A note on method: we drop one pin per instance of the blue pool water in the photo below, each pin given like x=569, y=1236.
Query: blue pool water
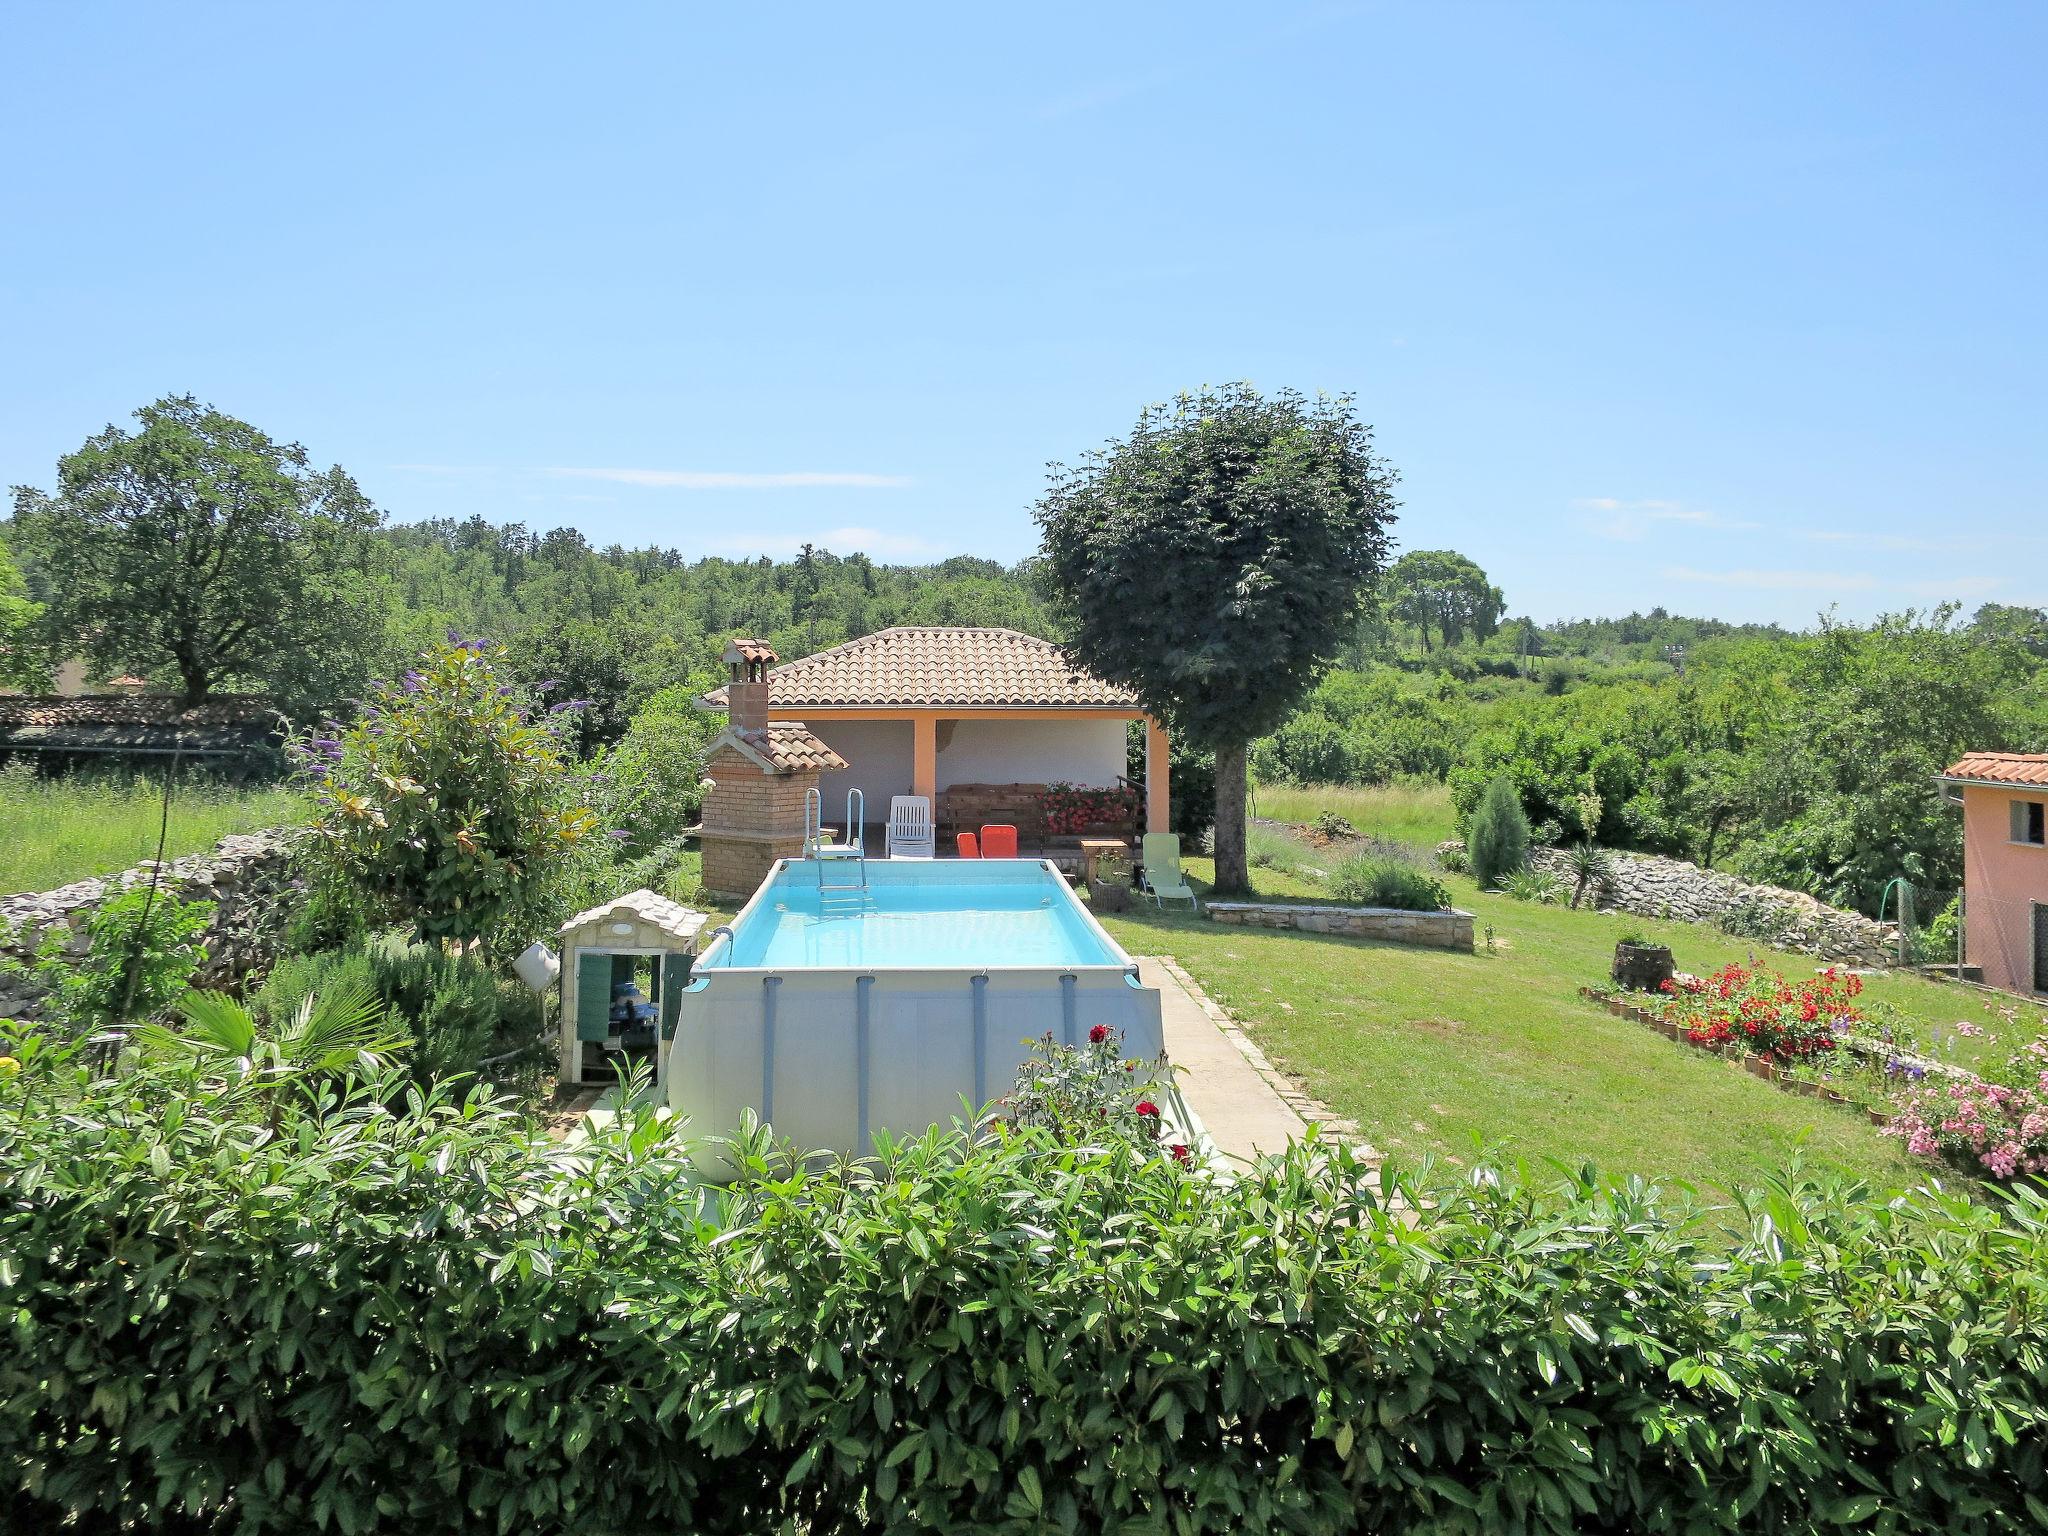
x=955, y=913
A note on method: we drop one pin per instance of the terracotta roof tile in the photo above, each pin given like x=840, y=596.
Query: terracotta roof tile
x=785, y=747
x=2025, y=768
x=926, y=666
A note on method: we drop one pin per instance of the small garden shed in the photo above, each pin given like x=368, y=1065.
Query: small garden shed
x=624, y=967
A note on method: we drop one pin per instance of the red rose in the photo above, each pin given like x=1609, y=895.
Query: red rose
x=1147, y=1107
x=1180, y=1153
x=1098, y=1033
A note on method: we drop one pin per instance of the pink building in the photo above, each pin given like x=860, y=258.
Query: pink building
x=2004, y=796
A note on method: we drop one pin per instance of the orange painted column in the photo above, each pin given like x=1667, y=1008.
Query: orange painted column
x=924, y=757
x=1158, y=792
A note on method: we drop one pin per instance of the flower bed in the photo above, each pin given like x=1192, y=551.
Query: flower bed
x=1072, y=809
x=1761, y=1010
x=1810, y=1036
x=2001, y=1127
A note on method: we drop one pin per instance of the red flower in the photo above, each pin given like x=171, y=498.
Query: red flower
x=1180, y=1153
x=1147, y=1107
x=1098, y=1033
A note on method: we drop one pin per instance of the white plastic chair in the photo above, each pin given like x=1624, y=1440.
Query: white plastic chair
x=910, y=828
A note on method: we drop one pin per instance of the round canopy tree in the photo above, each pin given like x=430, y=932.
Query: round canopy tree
x=200, y=547
x=1212, y=563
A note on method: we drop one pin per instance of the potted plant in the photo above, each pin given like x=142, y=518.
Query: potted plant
x=1640, y=965
x=1109, y=888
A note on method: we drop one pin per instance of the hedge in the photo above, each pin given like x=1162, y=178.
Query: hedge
x=296, y=1307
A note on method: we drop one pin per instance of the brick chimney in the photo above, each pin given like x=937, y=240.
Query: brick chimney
x=746, y=689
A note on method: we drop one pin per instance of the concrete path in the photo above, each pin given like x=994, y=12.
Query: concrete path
x=1223, y=1077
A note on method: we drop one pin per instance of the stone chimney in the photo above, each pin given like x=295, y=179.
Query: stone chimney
x=746, y=689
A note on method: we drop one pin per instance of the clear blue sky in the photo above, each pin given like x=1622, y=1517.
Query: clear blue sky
x=1737, y=309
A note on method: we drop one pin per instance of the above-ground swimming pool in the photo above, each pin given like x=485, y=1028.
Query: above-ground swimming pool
x=853, y=996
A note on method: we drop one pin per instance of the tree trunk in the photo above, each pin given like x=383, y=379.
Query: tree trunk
x=198, y=683
x=1233, y=875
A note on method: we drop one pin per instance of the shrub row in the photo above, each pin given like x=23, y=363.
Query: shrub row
x=291, y=1307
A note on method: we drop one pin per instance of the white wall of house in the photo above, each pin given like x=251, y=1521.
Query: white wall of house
x=879, y=754
x=1031, y=752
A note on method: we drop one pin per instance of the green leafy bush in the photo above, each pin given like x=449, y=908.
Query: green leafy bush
x=444, y=806
x=1762, y=922
x=142, y=951
x=454, y=1008
x=1376, y=880
x=1535, y=885
x=1497, y=834
x=430, y=1318
x=1334, y=827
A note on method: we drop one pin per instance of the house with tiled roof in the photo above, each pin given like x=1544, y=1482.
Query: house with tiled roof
x=978, y=721
x=2004, y=796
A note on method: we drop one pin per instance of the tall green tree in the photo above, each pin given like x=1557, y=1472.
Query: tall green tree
x=198, y=547
x=22, y=662
x=1441, y=589
x=1214, y=561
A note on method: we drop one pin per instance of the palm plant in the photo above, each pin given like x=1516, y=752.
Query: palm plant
x=341, y=1031
x=1591, y=870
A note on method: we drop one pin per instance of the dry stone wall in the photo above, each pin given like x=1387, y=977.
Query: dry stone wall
x=1657, y=887
x=248, y=878
x=1448, y=929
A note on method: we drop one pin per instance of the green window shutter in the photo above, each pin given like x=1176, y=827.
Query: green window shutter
x=593, y=996
x=675, y=975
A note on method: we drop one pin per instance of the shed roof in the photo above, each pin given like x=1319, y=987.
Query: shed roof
x=2025, y=769
x=134, y=723
x=925, y=666
x=642, y=906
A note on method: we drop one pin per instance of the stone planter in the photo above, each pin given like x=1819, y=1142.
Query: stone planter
x=1758, y=1067
x=1642, y=967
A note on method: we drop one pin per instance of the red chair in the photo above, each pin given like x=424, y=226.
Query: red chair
x=999, y=841
x=969, y=845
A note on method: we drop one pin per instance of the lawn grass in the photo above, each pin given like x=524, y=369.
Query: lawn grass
x=1401, y=813
x=57, y=830
x=1431, y=1051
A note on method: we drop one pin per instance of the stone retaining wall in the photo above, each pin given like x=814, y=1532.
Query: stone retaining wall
x=248, y=878
x=1450, y=929
x=1650, y=886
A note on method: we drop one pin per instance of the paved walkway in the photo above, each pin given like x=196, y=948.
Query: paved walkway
x=1242, y=1102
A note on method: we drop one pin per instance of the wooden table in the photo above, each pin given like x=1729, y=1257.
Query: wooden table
x=1093, y=848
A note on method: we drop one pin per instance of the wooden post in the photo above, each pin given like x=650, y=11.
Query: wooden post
x=924, y=757
x=1158, y=789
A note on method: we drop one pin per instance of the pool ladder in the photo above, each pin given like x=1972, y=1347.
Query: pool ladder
x=838, y=897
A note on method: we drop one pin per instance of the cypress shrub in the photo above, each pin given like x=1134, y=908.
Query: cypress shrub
x=1497, y=833
x=234, y=1306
